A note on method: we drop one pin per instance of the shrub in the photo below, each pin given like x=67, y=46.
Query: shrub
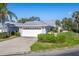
x=46, y=38
x=66, y=37
x=17, y=34
x=4, y=35
x=12, y=33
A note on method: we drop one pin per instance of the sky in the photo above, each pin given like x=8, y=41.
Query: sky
x=46, y=11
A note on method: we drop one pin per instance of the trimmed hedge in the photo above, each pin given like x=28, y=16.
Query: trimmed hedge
x=47, y=38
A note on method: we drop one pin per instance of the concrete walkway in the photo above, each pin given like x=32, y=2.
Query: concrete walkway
x=16, y=45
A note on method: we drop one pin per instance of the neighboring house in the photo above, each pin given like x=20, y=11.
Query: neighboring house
x=9, y=27
x=33, y=28
x=3, y=30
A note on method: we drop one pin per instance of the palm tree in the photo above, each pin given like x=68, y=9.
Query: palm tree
x=58, y=24
x=75, y=17
x=5, y=14
x=67, y=23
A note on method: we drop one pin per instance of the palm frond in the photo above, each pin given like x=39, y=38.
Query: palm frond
x=11, y=14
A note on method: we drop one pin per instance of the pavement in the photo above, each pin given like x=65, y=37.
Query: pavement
x=18, y=45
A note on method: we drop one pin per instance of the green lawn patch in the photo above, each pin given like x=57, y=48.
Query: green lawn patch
x=7, y=38
x=44, y=46
x=41, y=46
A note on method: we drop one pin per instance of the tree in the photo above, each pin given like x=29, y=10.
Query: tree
x=67, y=23
x=58, y=23
x=5, y=14
x=33, y=18
x=23, y=20
x=75, y=17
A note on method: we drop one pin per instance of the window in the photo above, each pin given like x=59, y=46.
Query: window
x=31, y=28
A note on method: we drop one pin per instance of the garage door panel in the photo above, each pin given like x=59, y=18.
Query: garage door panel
x=32, y=33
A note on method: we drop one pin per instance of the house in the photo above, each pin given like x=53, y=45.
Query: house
x=8, y=27
x=33, y=28
x=28, y=29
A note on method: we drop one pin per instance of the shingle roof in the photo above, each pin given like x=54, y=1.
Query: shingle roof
x=31, y=24
x=35, y=23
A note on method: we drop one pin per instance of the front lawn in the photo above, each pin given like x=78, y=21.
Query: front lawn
x=46, y=41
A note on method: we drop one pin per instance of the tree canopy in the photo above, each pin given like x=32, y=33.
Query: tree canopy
x=33, y=18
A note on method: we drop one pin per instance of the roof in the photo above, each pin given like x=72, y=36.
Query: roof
x=50, y=23
x=32, y=24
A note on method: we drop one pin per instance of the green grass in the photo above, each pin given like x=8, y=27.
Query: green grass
x=67, y=39
x=7, y=38
x=40, y=46
x=44, y=46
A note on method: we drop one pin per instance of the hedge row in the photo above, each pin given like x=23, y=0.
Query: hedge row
x=4, y=35
x=60, y=38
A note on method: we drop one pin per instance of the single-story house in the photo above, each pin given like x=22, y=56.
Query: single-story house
x=28, y=29
x=33, y=28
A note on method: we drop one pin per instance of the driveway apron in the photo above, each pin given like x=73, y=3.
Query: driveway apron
x=16, y=45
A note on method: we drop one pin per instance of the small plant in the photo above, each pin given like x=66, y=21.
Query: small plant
x=17, y=34
x=46, y=38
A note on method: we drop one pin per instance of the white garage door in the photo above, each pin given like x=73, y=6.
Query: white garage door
x=30, y=32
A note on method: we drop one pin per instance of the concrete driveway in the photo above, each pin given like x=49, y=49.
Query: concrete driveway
x=16, y=45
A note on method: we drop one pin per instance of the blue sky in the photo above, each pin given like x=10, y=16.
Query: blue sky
x=46, y=11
